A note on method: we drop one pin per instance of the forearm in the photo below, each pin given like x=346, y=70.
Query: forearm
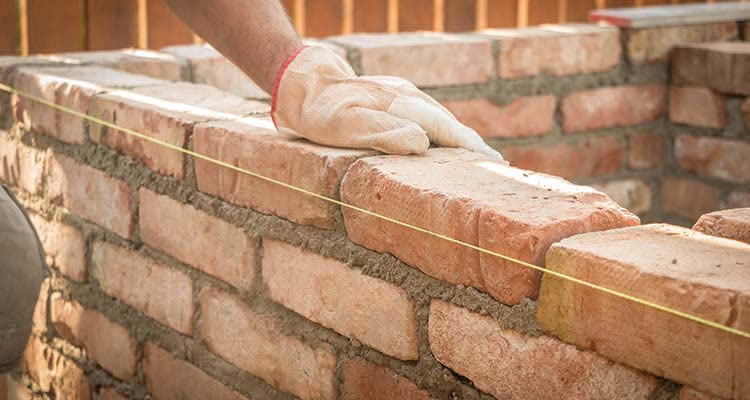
x=255, y=34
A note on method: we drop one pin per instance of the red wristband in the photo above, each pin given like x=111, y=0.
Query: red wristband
x=275, y=93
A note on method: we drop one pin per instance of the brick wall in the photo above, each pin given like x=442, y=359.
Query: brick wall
x=175, y=278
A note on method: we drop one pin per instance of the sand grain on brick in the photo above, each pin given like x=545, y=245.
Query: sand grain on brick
x=731, y=224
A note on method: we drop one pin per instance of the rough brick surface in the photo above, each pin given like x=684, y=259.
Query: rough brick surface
x=255, y=343
x=329, y=292
x=509, y=365
x=646, y=150
x=13, y=389
x=53, y=371
x=105, y=342
x=21, y=165
x=514, y=212
x=669, y=268
x=609, y=107
x=688, y=198
x=730, y=224
x=426, y=59
x=156, y=290
x=169, y=378
x=738, y=199
x=722, y=66
x=365, y=381
x=724, y=159
x=136, y=61
x=632, y=194
x=39, y=317
x=648, y=45
x=224, y=250
x=164, y=112
x=522, y=117
x=254, y=145
x=697, y=106
x=64, y=247
x=90, y=193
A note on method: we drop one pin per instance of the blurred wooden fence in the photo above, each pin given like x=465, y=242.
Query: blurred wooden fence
x=47, y=26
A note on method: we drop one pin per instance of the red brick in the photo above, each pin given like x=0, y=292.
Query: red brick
x=524, y=116
x=156, y=290
x=509, y=365
x=697, y=106
x=64, y=247
x=738, y=199
x=90, y=193
x=649, y=45
x=164, y=112
x=731, y=224
x=426, y=59
x=746, y=114
x=610, y=107
x=225, y=251
x=109, y=393
x=107, y=343
x=21, y=165
x=722, y=66
x=169, y=378
x=253, y=144
x=256, y=343
x=724, y=159
x=632, y=194
x=688, y=393
x=54, y=372
x=135, y=61
x=669, y=268
x=71, y=87
x=688, y=198
x=646, y=150
x=329, y=292
x=364, y=381
x=480, y=199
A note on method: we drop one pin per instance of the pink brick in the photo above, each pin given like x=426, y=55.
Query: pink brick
x=724, y=159
x=225, y=251
x=64, y=247
x=109, y=393
x=426, y=59
x=105, y=342
x=509, y=365
x=21, y=165
x=524, y=116
x=610, y=107
x=697, y=106
x=152, y=288
x=336, y=296
x=738, y=199
x=167, y=113
x=731, y=224
x=646, y=150
x=632, y=194
x=254, y=145
x=364, y=381
x=649, y=45
x=135, y=61
x=514, y=212
x=688, y=198
x=54, y=372
x=669, y=268
x=90, y=193
x=169, y=378
x=71, y=87
x=256, y=343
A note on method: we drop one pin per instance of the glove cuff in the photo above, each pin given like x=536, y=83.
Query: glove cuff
x=275, y=93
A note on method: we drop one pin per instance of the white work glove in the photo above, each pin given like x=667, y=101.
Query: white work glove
x=318, y=96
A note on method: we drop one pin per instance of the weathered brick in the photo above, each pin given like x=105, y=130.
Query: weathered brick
x=164, y=112
x=649, y=45
x=688, y=393
x=610, y=107
x=632, y=194
x=481, y=199
x=105, y=342
x=738, y=199
x=255, y=343
x=64, y=247
x=108, y=393
x=688, y=198
x=646, y=150
x=21, y=165
x=725, y=159
x=90, y=193
x=135, y=61
x=426, y=59
x=254, y=144
x=722, y=66
x=510, y=365
x=697, y=106
x=71, y=87
x=225, y=251
x=169, y=378
x=39, y=317
x=731, y=224
x=669, y=268
x=364, y=381
x=54, y=372
x=329, y=292
x=156, y=290
x=524, y=116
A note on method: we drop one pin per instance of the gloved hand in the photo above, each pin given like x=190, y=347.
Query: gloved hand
x=318, y=96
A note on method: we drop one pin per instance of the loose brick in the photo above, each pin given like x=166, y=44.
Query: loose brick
x=610, y=107
x=225, y=251
x=109, y=393
x=64, y=247
x=53, y=371
x=255, y=343
x=21, y=165
x=90, y=193
x=171, y=379
x=135, y=61
x=426, y=59
x=364, y=381
x=509, y=365
x=669, y=268
x=71, y=87
x=253, y=144
x=724, y=159
x=632, y=194
x=329, y=292
x=646, y=150
x=105, y=342
x=481, y=199
x=524, y=116
x=649, y=45
x=722, y=66
x=738, y=199
x=731, y=224
x=688, y=198
x=164, y=112
x=156, y=290
x=697, y=106
x=688, y=393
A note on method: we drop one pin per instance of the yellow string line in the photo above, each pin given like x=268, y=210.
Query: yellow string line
x=560, y=275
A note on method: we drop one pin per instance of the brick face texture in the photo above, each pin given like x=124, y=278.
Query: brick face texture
x=722, y=66
x=724, y=159
x=650, y=45
x=364, y=381
x=64, y=247
x=21, y=165
x=697, y=106
x=525, y=116
x=612, y=106
x=730, y=224
x=52, y=371
x=688, y=198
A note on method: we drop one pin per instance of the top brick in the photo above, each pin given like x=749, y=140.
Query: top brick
x=722, y=66
x=673, y=15
x=650, y=45
x=136, y=61
x=730, y=224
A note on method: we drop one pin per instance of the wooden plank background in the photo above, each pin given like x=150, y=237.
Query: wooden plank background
x=45, y=26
